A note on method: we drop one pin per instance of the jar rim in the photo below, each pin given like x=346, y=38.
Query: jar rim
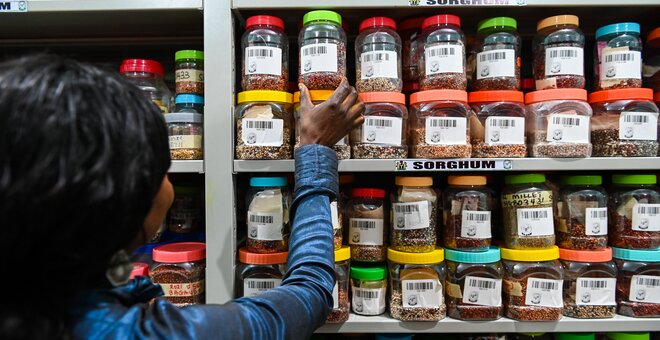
x=555, y=94
x=534, y=255
x=621, y=94
x=433, y=257
x=247, y=257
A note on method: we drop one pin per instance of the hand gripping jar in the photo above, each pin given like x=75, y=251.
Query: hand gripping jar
x=498, y=55
x=559, y=53
x=343, y=148
x=179, y=269
x=439, y=124
x=442, y=58
x=185, y=132
x=410, y=31
x=257, y=273
x=467, y=206
x=189, y=103
x=416, y=281
x=263, y=125
x=414, y=215
x=340, y=304
x=474, y=285
x=367, y=235
x=581, y=213
x=148, y=76
x=532, y=287
x=322, y=59
x=618, y=57
x=268, y=202
x=265, y=54
x=638, y=283
x=558, y=123
x=384, y=131
x=189, y=74
x=378, y=56
x=625, y=123
x=368, y=289
x=498, y=125
x=634, y=212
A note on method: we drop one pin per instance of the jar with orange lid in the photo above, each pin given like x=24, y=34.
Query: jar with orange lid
x=341, y=305
x=467, y=207
x=559, y=53
x=414, y=215
x=342, y=147
x=179, y=269
x=581, y=213
x=257, y=273
x=383, y=133
x=439, y=124
x=497, y=128
x=442, y=59
x=558, y=123
x=625, y=123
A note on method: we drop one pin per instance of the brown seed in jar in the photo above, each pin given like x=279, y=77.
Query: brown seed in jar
x=397, y=311
x=377, y=151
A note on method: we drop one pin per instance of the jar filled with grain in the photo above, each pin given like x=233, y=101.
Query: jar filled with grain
x=343, y=148
x=322, y=58
x=410, y=31
x=442, y=58
x=497, y=55
x=148, y=75
x=189, y=73
x=186, y=214
x=637, y=282
x=581, y=217
x=634, y=208
x=618, y=57
x=368, y=289
x=559, y=53
x=414, y=215
x=341, y=305
x=366, y=213
x=383, y=135
x=467, y=207
x=179, y=269
x=378, y=56
x=498, y=125
x=257, y=273
x=185, y=132
x=268, y=202
x=265, y=62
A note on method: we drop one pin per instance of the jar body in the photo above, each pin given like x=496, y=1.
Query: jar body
x=474, y=291
x=182, y=283
x=559, y=58
x=631, y=288
x=341, y=305
x=368, y=296
x=581, y=217
x=378, y=61
x=414, y=220
x=322, y=59
x=589, y=289
x=367, y=229
x=497, y=60
x=186, y=212
x=411, y=54
x=342, y=148
x=532, y=291
x=253, y=279
x=417, y=291
x=383, y=134
x=189, y=75
x=268, y=219
x=633, y=217
x=498, y=130
x=189, y=108
x=265, y=59
x=186, y=141
x=440, y=129
x=625, y=128
x=154, y=86
x=559, y=129
x=442, y=59
x=618, y=61
x=528, y=216
x=467, y=217
x=263, y=130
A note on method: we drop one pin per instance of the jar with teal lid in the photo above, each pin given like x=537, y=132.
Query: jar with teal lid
x=322, y=58
x=340, y=304
x=268, y=202
x=638, y=282
x=189, y=103
x=497, y=53
x=189, y=72
x=474, y=285
x=618, y=57
x=368, y=289
x=581, y=217
x=634, y=207
x=628, y=336
x=186, y=212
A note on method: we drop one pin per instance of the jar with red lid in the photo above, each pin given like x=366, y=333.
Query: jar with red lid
x=148, y=76
x=497, y=128
x=378, y=56
x=179, y=269
x=257, y=273
x=265, y=46
x=139, y=269
x=383, y=133
x=410, y=31
x=442, y=58
x=368, y=219
x=559, y=53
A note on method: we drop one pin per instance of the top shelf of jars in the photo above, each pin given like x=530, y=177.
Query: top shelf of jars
x=338, y=4
x=115, y=5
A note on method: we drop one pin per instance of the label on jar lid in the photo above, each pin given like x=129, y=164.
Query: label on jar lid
x=619, y=63
x=334, y=214
x=446, y=130
x=366, y=231
x=561, y=61
x=421, y=294
x=505, y=130
x=382, y=130
x=335, y=296
x=475, y=224
x=544, y=293
x=638, y=126
x=535, y=222
x=410, y=216
x=645, y=288
x=568, y=128
x=496, y=64
x=646, y=217
x=263, y=60
x=189, y=74
x=185, y=289
x=252, y=287
x=265, y=226
x=379, y=64
x=595, y=221
x=444, y=59
x=262, y=132
x=368, y=301
x=185, y=142
x=482, y=291
x=318, y=58
x=595, y=291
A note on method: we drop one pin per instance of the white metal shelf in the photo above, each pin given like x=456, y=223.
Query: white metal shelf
x=348, y=4
x=113, y=5
x=187, y=167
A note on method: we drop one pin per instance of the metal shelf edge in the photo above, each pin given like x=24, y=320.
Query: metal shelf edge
x=347, y=4
x=187, y=167
x=115, y=5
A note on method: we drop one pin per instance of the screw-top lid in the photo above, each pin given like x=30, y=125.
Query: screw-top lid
x=536, y=255
x=433, y=257
x=314, y=95
x=582, y=180
x=142, y=65
x=556, y=94
x=414, y=24
x=247, y=257
x=369, y=273
x=496, y=96
x=600, y=255
x=343, y=254
x=368, y=192
x=558, y=20
x=622, y=27
x=621, y=94
x=575, y=336
x=264, y=20
x=634, y=179
x=265, y=96
x=180, y=252
x=189, y=54
x=315, y=16
x=139, y=269
x=497, y=22
x=438, y=95
x=378, y=22
x=628, y=336
x=489, y=256
x=652, y=255
x=524, y=179
x=467, y=180
x=413, y=181
x=383, y=97
x=188, y=99
x=184, y=117
x=268, y=182
x=441, y=20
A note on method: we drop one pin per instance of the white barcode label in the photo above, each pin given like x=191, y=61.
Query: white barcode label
x=535, y=222
x=645, y=288
x=410, y=216
x=497, y=63
x=382, y=130
x=563, y=128
x=564, y=61
x=421, y=293
x=619, y=63
x=505, y=130
x=379, y=64
x=368, y=301
x=544, y=293
x=482, y=291
x=595, y=221
x=318, y=58
x=475, y=224
x=334, y=214
x=446, y=130
x=262, y=132
x=335, y=296
x=638, y=126
x=646, y=217
x=263, y=60
x=595, y=292
x=366, y=232
x=444, y=59
x=252, y=287
x=265, y=227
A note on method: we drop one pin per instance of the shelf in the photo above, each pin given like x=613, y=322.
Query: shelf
x=114, y=5
x=187, y=167
x=348, y=4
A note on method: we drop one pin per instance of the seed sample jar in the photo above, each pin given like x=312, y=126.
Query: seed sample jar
x=189, y=72
x=532, y=287
x=439, y=124
x=263, y=125
x=442, y=59
x=341, y=306
x=474, y=285
x=322, y=59
x=367, y=233
x=634, y=212
x=467, y=207
x=268, y=202
x=189, y=103
x=185, y=132
x=148, y=76
x=186, y=212
x=558, y=123
x=257, y=273
x=368, y=288
x=179, y=269
x=410, y=31
x=498, y=55
x=416, y=281
x=378, y=56
x=638, y=283
x=527, y=211
x=618, y=57
x=414, y=215
x=498, y=126
x=581, y=217
x=625, y=123
x=383, y=133
x=343, y=148
x=559, y=53
x=265, y=54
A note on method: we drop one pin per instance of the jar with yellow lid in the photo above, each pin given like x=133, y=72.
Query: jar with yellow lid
x=343, y=148
x=416, y=281
x=467, y=210
x=340, y=303
x=414, y=215
x=263, y=125
x=559, y=53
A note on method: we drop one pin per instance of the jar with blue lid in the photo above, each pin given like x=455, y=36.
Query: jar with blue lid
x=189, y=103
x=618, y=57
x=185, y=130
x=638, y=282
x=268, y=202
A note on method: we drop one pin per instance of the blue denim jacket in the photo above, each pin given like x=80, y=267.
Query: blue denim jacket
x=292, y=311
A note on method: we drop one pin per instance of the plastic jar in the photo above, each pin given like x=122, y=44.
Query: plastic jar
x=498, y=55
x=634, y=212
x=442, y=58
x=341, y=306
x=625, y=123
x=414, y=215
x=189, y=103
x=322, y=56
x=558, y=123
x=410, y=31
x=651, y=62
x=179, y=269
x=439, y=124
x=498, y=125
x=268, y=202
x=559, y=53
x=618, y=57
x=263, y=125
x=265, y=54
x=367, y=233
x=581, y=217
x=532, y=288
x=383, y=133
x=257, y=273
x=368, y=289
x=148, y=76
x=527, y=211
x=139, y=269
x=378, y=56
x=189, y=72
x=467, y=208
x=186, y=212
x=185, y=132
x=638, y=282
x=416, y=281
x=343, y=148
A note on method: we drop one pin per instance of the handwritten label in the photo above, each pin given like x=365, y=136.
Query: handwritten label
x=185, y=142
x=183, y=289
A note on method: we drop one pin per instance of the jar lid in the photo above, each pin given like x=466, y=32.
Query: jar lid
x=369, y=273
x=383, y=97
x=467, y=180
x=629, y=336
x=189, y=54
x=368, y=192
x=265, y=96
x=266, y=20
x=556, y=94
x=268, y=182
x=558, y=20
x=496, y=96
x=653, y=39
x=413, y=181
x=188, y=99
x=622, y=27
x=489, y=256
x=497, y=22
x=433, y=257
x=411, y=86
x=313, y=16
x=535, y=255
x=139, y=269
x=435, y=95
x=652, y=255
x=582, y=180
x=411, y=24
x=378, y=22
x=575, y=336
x=441, y=20
x=184, y=190
x=634, y=179
x=346, y=179
x=180, y=252
x=244, y=256
x=524, y=179
x=621, y=94
x=314, y=95
x=184, y=117
x=142, y=65
x=601, y=255
x=343, y=254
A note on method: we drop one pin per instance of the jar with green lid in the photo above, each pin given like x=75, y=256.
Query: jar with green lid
x=322, y=59
x=416, y=281
x=559, y=53
x=638, y=283
x=634, y=212
x=581, y=217
x=368, y=289
x=186, y=212
x=618, y=57
x=527, y=204
x=189, y=72
x=342, y=148
x=530, y=336
x=575, y=336
x=498, y=55
x=467, y=211
x=628, y=336
x=268, y=203
x=414, y=215
x=340, y=303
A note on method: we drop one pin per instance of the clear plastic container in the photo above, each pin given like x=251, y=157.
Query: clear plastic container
x=618, y=57
x=416, y=281
x=467, y=207
x=625, y=123
x=179, y=269
x=189, y=72
x=366, y=213
x=341, y=305
x=322, y=59
x=264, y=125
x=368, y=289
x=638, y=282
x=343, y=147
x=414, y=215
x=185, y=132
x=384, y=132
x=257, y=273
x=148, y=76
x=498, y=125
x=439, y=124
x=410, y=31
x=442, y=58
x=559, y=53
x=581, y=217
x=268, y=202
x=378, y=56
x=558, y=123
x=634, y=212
x=189, y=103
x=265, y=54
x=497, y=55
x=532, y=287
x=186, y=212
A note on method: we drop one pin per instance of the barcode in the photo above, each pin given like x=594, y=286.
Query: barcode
x=535, y=215
x=444, y=123
x=259, y=124
x=377, y=57
x=406, y=209
x=477, y=217
x=502, y=123
x=482, y=284
x=379, y=122
x=261, y=53
x=619, y=57
x=544, y=285
x=419, y=285
x=315, y=50
x=648, y=210
x=441, y=52
x=566, y=121
x=261, y=284
x=593, y=284
x=647, y=281
x=368, y=294
x=261, y=219
x=598, y=214
x=564, y=54
x=364, y=224
x=636, y=119
x=492, y=56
